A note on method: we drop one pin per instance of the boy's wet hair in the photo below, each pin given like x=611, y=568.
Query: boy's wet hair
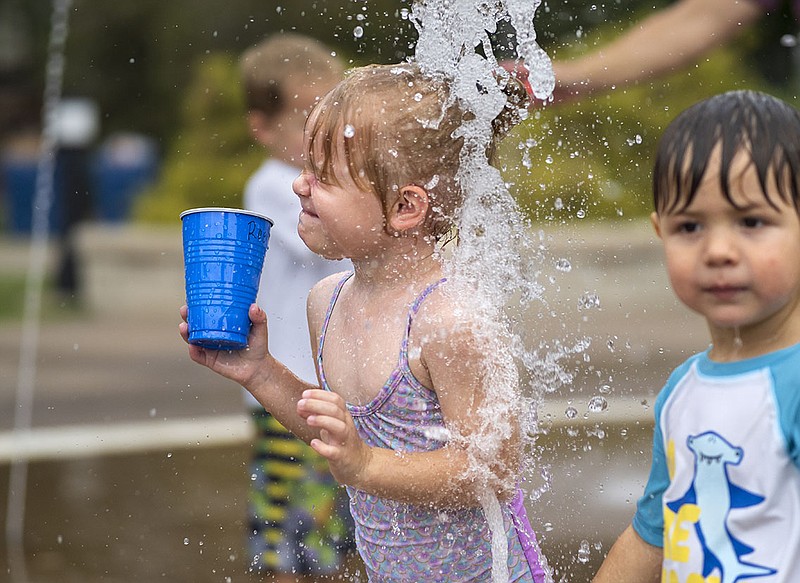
x=281, y=63
x=760, y=125
x=399, y=124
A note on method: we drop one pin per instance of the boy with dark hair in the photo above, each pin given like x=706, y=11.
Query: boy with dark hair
x=722, y=502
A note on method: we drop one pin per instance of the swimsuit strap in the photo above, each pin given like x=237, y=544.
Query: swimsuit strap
x=410, y=318
x=413, y=309
x=323, y=332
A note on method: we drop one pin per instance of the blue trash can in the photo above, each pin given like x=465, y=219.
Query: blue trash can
x=124, y=165
x=18, y=176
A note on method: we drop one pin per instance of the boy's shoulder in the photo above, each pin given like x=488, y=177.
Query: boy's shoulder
x=782, y=366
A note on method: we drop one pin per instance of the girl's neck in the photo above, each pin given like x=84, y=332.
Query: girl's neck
x=398, y=270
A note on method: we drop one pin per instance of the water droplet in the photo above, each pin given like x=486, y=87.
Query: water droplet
x=605, y=389
x=580, y=214
x=358, y=32
x=418, y=97
x=186, y=541
x=564, y=265
x=349, y=131
x=558, y=204
x=436, y=433
x=571, y=413
x=598, y=404
x=583, y=552
x=588, y=301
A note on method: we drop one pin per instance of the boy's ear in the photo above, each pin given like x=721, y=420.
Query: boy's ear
x=261, y=128
x=654, y=220
x=410, y=208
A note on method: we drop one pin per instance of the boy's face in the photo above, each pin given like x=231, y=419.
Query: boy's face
x=739, y=268
x=283, y=132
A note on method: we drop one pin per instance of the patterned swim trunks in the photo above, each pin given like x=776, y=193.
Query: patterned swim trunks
x=299, y=517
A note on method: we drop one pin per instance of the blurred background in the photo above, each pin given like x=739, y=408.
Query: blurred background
x=135, y=460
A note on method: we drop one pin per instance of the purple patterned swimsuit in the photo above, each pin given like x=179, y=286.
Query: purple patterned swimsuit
x=408, y=543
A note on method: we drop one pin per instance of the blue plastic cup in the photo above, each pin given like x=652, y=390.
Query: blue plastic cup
x=223, y=254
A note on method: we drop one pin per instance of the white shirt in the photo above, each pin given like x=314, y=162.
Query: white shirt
x=290, y=268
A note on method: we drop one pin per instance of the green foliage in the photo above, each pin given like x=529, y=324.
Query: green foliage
x=212, y=155
x=593, y=158
x=12, y=296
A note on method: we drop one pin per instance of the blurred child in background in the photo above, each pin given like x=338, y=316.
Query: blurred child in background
x=298, y=523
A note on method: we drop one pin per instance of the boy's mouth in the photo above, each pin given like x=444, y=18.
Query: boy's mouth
x=724, y=291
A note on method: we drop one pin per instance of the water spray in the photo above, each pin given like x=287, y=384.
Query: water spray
x=26, y=375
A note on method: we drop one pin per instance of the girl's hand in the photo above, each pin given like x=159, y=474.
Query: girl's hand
x=348, y=456
x=240, y=366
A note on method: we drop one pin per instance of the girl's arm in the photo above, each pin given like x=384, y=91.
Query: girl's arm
x=631, y=560
x=483, y=454
x=270, y=382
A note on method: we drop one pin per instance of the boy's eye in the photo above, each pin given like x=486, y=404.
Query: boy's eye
x=688, y=227
x=752, y=222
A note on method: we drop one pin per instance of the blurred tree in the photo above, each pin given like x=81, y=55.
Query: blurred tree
x=149, y=63
x=212, y=156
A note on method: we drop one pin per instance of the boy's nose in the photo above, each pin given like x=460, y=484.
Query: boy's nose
x=721, y=247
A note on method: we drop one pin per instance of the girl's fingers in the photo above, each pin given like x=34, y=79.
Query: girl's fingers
x=329, y=452
x=316, y=402
x=331, y=428
x=323, y=395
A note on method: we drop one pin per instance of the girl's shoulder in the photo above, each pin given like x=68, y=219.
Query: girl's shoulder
x=319, y=298
x=443, y=313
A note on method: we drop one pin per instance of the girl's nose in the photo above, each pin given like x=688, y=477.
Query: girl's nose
x=300, y=184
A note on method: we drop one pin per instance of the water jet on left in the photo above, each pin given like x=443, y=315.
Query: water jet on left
x=223, y=252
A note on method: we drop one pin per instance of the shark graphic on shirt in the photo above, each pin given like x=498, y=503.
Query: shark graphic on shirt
x=712, y=491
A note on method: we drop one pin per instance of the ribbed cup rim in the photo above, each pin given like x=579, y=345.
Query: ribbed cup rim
x=228, y=210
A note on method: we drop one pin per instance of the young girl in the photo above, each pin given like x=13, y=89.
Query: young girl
x=401, y=367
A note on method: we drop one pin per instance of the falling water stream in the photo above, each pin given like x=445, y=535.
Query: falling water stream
x=495, y=258
x=26, y=376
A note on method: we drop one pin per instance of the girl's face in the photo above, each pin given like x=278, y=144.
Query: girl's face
x=738, y=267
x=342, y=219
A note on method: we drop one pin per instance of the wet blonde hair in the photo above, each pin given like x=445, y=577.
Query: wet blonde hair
x=398, y=126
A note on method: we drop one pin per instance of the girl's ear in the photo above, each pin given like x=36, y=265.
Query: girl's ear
x=409, y=210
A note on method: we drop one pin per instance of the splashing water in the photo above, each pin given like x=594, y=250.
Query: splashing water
x=495, y=260
x=23, y=412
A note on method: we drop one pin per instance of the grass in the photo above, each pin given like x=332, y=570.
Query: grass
x=12, y=296
x=12, y=300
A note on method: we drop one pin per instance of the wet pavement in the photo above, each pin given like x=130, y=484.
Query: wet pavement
x=137, y=457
